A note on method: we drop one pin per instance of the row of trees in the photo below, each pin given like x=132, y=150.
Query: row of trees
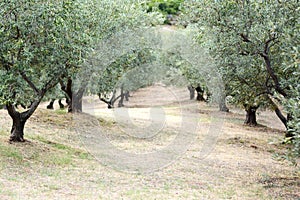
x=71, y=46
x=256, y=47
x=45, y=43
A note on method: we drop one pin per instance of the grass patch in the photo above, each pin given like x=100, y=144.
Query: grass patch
x=60, y=160
x=11, y=153
x=64, y=148
x=58, y=118
x=61, y=111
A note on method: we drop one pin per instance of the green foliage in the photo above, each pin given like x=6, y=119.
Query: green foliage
x=241, y=36
x=109, y=59
x=49, y=40
x=39, y=42
x=126, y=71
x=256, y=45
x=169, y=8
x=292, y=107
x=165, y=6
x=180, y=72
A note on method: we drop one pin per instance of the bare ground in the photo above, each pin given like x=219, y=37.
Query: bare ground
x=61, y=161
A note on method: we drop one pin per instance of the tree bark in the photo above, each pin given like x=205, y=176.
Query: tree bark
x=75, y=105
x=17, y=130
x=192, y=92
x=251, y=115
x=208, y=98
x=19, y=120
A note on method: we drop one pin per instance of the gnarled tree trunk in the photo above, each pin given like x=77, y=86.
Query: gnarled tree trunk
x=17, y=130
x=19, y=120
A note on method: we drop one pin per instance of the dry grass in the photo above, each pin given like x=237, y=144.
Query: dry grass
x=54, y=163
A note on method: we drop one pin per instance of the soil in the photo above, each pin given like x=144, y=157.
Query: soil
x=186, y=150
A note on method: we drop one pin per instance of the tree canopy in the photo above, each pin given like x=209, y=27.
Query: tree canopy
x=256, y=45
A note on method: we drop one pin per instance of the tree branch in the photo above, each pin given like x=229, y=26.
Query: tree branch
x=29, y=82
x=245, y=38
x=11, y=110
x=279, y=114
x=272, y=74
x=267, y=44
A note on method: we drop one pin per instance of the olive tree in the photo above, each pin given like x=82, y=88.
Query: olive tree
x=39, y=42
x=108, y=19
x=253, y=43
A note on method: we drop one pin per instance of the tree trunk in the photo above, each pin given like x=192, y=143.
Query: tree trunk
x=17, y=130
x=192, y=92
x=285, y=120
x=19, y=120
x=67, y=100
x=61, y=105
x=120, y=104
x=74, y=99
x=281, y=117
x=208, y=98
x=113, y=99
x=75, y=105
x=68, y=92
x=278, y=112
x=127, y=96
x=222, y=104
x=51, y=103
x=110, y=103
x=251, y=115
x=200, y=93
